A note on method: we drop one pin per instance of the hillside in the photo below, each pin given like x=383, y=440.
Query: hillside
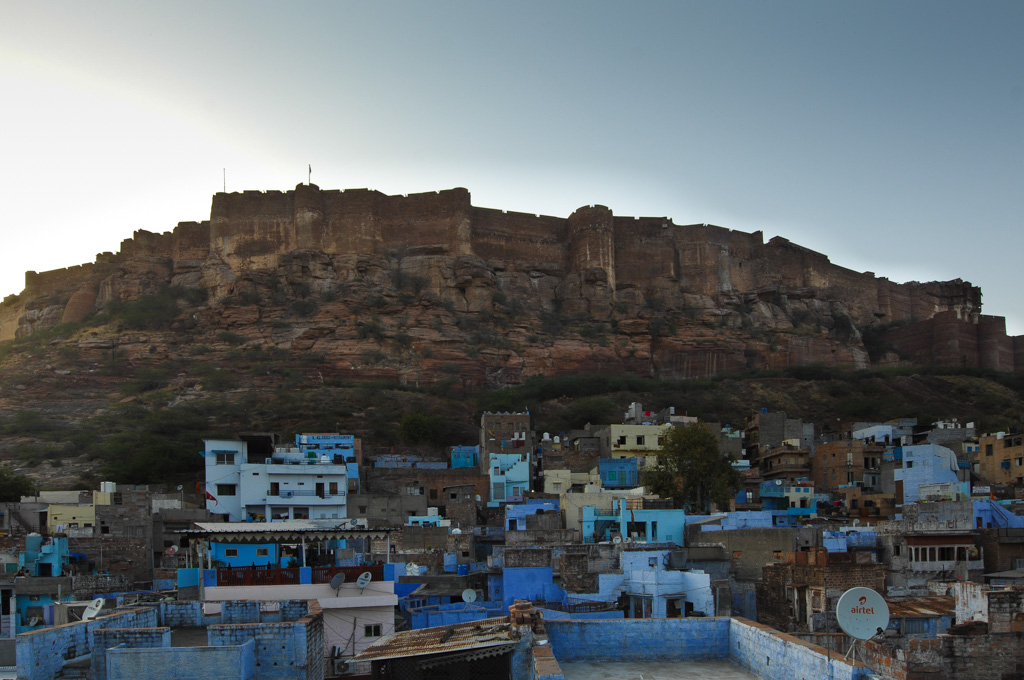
x=317, y=310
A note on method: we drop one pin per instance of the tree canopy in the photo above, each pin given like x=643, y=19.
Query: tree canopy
x=13, y=486
x=692, y=470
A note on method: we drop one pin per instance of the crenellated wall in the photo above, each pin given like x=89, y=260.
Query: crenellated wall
x=592, y=264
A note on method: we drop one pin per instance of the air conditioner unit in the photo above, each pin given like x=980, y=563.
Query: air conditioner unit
x=341, y=666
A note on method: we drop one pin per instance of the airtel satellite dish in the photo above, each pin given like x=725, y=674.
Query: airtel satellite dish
x=862, y=613
x=173, y=550
x=93, y=609
x=337, y=580
x=412, y=569
x=364, y=579
x=469, y=596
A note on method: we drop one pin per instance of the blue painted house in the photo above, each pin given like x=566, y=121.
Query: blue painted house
x=620, y=473
x=633, y=525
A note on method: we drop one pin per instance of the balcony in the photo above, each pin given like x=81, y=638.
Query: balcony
x=290, y=576
x=304, y=493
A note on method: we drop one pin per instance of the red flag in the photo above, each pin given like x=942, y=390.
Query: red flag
x=211, y=497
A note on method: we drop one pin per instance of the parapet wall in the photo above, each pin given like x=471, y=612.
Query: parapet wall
x=756, y=648
x=950, y=339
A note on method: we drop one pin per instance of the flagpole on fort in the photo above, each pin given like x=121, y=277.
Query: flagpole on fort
x=309, y=177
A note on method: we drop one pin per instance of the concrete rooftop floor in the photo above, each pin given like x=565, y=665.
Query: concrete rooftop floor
x=654, y=670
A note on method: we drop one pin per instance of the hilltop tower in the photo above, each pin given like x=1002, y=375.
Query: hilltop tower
x=592, y=242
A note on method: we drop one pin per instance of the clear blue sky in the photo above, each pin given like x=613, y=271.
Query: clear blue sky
x=888, y=135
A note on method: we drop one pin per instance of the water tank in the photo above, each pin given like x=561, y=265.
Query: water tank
x=108, y=487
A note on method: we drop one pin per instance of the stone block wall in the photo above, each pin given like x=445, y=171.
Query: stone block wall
x=134, y=638
x=42, y=653
x=639, y=639
x=283, y=651
x=235, y=662
x=1006, y=611
x=182, y=614
x=773, y=655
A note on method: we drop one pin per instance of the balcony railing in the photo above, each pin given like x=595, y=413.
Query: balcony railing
x=294, y=493
x=274, y=576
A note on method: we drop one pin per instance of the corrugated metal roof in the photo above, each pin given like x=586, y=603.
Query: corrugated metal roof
x=288, y=530
x=910, y=607
x=459, y=637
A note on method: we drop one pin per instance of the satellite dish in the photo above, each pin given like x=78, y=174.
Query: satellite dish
x=337, y=580
x=363, y=579
x=172, y=550
x=778, y=482
x=180, y=487
x=93, y=609
x=616, y=539
x=862, y=613
x=469, y=596
x=456, y=532
x=412, y=569
x=33, y=621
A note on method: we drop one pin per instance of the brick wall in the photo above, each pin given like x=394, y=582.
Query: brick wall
x=134, y=638
x=42, y=653
x=234, y=662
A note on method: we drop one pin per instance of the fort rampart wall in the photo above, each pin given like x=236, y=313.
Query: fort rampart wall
x=651, y=256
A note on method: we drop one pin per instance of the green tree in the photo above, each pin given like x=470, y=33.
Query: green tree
x=13, y=486
x=692, y=471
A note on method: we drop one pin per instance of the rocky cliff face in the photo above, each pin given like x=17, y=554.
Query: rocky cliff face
x=428, y=287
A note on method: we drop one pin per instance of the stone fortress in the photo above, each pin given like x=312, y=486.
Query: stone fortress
x=592, y=264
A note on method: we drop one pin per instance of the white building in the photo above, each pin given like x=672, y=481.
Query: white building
x=289, y=485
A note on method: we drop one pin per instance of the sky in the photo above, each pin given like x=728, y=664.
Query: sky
x=887, y=135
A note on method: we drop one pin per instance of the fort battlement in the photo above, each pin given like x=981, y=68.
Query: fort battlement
x=589, y=263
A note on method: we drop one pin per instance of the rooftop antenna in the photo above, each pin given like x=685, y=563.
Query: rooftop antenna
x=309, y=176
x=93, y=609
x=862, y=614
x=363, y=580
x=225, y=174
x=336, y=582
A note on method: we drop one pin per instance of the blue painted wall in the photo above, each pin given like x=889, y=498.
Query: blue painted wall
x=758, y=649
x=525, y=583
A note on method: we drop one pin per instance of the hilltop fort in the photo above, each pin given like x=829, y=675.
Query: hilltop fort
x=706, y=298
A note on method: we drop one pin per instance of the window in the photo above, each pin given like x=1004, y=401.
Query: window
x=988, y=449
x=639, y=440
x=262, y=552
x=362, y=509
x=910, y=464
x=433, y=494
x=300, y=513
x=225, y=458
x=227, y=490
x=275, y=488
x=372, y=630
x=912, y=626
x=621, y=441
x=231, y=552
x=661, y=441
x=332, y=488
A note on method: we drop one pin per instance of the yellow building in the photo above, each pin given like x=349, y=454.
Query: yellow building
x=60, y=518
x=633, y=441
x=1000, y=458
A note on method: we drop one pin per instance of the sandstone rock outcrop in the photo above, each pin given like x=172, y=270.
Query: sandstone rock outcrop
x=422, y=286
